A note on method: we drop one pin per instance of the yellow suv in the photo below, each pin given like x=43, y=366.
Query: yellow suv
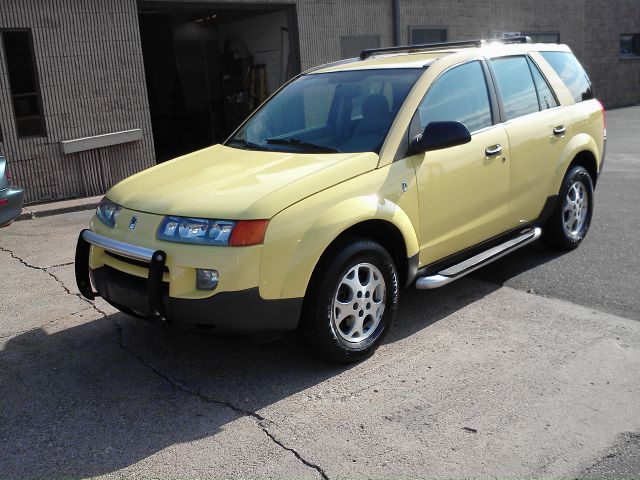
x=408, y=165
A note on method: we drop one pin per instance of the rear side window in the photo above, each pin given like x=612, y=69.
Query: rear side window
x=572, y=74
x=461, y=95
x=516, y=86
x=546, y=99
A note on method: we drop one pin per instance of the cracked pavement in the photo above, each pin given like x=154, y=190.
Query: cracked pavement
x=480, y=379
x=97, y=309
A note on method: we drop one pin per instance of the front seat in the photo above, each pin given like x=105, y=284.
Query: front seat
x=372, y=129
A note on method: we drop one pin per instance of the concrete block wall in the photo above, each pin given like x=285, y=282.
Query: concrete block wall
x=322, y=23
x=616, y=81
x=89, y=60
x=89, y=65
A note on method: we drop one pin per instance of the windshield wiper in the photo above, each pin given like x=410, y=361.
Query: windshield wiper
x=301, y=143
x=250, y=145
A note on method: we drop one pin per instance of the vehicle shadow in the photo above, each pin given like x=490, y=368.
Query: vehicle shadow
x=106, y=394
x=517, y=263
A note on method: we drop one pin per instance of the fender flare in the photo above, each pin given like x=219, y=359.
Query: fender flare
x=579, y=143
x=305, y=252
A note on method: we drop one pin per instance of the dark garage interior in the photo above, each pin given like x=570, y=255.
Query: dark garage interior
x=208, y=66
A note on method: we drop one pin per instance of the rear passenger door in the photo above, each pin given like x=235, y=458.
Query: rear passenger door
x=536, y=127
x=462, y=190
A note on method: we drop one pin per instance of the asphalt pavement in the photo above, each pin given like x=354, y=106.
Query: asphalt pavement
x=529, y=369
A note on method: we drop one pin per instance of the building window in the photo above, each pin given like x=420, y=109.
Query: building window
x=352, y=46
x=424, y=35
x=23, y=81
x=544, y=37
x=630, y=45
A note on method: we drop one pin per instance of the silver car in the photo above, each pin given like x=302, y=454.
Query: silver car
x=11, y=198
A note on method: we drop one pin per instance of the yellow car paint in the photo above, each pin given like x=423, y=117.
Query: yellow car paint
x=236, y=184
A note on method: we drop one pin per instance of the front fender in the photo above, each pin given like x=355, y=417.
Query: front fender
x=297, y=238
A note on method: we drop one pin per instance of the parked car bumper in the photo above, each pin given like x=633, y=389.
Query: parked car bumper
x=11, y=200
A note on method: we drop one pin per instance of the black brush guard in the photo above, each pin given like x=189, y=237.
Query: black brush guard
x=157, y=262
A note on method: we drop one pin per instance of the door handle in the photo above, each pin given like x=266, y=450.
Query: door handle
x=493, y=151
x=560, y=130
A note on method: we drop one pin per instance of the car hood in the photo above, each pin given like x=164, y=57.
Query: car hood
x=229, y=183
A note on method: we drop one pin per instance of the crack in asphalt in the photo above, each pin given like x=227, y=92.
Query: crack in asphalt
x=260, y=420
x=180, y=386
x=243, y=412
x=55, y=277
x=317, y=468
x=58, y=280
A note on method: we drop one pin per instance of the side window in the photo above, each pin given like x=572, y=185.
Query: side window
x=516, y=86
x=546, y=99
x=572, y=74
x=460, y=94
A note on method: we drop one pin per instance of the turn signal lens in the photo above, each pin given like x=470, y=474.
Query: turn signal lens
x=248, y=232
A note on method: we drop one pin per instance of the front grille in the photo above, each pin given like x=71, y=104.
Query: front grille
x=132, y=261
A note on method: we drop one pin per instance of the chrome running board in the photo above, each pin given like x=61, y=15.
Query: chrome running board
x=471, y=264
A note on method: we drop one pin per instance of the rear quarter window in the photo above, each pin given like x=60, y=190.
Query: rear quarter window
x=516, y=86
x=572, y=74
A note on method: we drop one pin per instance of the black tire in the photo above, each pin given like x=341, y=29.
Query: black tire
x=322, y=328
x=554, y=232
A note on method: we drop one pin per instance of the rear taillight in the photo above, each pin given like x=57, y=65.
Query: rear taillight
x=7, y=172
x=604, y=117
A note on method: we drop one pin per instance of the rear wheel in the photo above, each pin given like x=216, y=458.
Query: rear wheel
x=351, y=301
x=570, y=221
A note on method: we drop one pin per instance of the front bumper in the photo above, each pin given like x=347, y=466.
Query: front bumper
x=243, y=311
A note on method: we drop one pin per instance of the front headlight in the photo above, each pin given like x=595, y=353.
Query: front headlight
x=108, y=212
x=202, y=231
x=195, y=230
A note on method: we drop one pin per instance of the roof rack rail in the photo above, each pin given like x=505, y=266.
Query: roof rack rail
x=419, y=48
x=435, y=46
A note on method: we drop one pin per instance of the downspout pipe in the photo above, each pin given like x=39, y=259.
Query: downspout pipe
x=396, y=22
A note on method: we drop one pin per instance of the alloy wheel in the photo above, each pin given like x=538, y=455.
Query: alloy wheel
x=359, y=303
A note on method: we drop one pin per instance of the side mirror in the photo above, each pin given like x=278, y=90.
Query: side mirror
x=439, y=135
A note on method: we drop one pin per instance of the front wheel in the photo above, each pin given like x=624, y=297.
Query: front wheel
x=571, y=218
x=351, y=301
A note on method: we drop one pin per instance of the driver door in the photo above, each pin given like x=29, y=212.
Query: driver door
x=463, y=190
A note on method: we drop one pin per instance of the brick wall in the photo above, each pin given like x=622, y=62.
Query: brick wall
x=616, y=81
x=89, y=61
x=89, y=64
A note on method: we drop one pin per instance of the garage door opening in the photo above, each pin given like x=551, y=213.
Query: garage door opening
x=208, y=66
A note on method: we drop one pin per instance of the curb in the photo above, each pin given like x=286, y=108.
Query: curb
x=28, y=214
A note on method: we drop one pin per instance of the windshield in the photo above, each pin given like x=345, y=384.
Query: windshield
x=338, y=112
